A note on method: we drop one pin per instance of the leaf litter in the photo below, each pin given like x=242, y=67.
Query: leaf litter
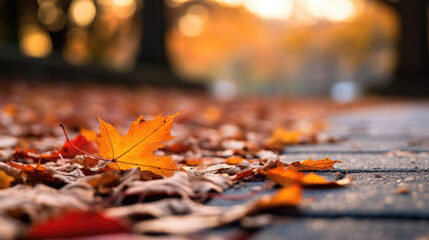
x=155, y=179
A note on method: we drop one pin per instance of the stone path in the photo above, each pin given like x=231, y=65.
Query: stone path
x=385, y=148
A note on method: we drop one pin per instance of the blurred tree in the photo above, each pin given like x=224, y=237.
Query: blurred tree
x=152, y=47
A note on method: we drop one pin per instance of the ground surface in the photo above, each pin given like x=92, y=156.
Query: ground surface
x=386, y=149
x=383, y=145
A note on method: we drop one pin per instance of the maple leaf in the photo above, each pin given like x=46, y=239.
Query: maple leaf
x=135, y=149
x=310, y=164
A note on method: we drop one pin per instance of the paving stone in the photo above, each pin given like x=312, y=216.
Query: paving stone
x=394, y=120
x=367, y=145
x=369, y=195
x=373, y=194
x=345, y=229
x=369, y=162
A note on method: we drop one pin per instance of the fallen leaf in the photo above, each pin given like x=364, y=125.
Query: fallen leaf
x=313, y=180
x=402, y=190
x=285, y=176
x=177, y=148
x=5, y=180
x=38, y=174
x=193, y=161
x=88, y=134
x=310, y=164
x=81, y=142
x=288, y=176
x=281, y=137
x=233, y=160
x=137, y=146
x=77, y=224
x=289, y=196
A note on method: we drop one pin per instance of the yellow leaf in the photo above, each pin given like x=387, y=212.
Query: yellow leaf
x=289, y=196
x=88, y=134
x=5, y=180
x=313, y=180
x=135, y=149
x=310, y=164
x=285, y=137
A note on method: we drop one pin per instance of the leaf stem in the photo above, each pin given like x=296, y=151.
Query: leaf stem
x=80, y=150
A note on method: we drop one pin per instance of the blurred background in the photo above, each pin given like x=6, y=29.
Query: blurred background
x=337, y=48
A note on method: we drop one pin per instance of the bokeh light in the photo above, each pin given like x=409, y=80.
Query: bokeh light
x=82, y=12
x=51, y=16
x=270, y=9
x=333, y=10
x=34, y=41
x=192, y=24
x=76, y=49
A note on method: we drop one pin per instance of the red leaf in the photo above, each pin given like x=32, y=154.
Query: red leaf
x=77, y=224
x=68, y=151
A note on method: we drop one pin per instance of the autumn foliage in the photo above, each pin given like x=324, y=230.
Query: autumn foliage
x=146, y=181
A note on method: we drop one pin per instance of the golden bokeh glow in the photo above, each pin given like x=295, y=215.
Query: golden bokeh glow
x=35, y=42
x=76, y=49
x=333, y=10
x=270, y=9
x=123, y=3
x=192, y=24
x=51, y=16
x=82, y=12
x=230, y=2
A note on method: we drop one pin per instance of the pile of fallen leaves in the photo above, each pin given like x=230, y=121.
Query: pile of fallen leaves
x=147, y=181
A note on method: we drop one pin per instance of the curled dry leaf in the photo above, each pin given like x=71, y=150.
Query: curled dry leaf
x=38, y=174
x=310, y=164
x=136, y=148
x=42, y=202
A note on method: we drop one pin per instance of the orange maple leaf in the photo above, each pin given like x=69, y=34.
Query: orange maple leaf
x=137, y=146
x=310, y=164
